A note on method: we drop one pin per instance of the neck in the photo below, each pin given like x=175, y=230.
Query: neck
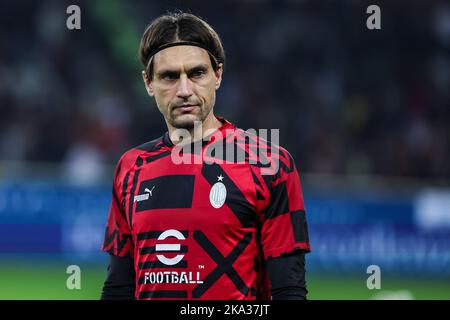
x=211, y=123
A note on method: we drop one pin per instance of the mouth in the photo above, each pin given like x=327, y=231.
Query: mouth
x=185, y=108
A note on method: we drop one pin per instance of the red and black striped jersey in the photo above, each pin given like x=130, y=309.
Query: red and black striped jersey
x=203, y=228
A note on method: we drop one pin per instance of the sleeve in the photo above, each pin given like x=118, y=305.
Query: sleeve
x=287, y=276
x=118, y=240
x=284, y=228
x=120, y=281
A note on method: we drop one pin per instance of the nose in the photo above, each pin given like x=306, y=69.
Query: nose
x=184, y=89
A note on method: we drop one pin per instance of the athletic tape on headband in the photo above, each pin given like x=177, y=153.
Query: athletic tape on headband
x=179, y=43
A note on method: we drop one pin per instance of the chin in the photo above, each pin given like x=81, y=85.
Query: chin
x=185, y=121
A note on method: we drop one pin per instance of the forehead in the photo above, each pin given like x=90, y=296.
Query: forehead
x=180, y=57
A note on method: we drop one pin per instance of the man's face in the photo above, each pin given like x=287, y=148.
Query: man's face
x=184, y=85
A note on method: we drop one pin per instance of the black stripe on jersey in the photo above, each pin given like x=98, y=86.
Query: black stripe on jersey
x=124, y=189
x=155, y=234
x=279, y=202
x=139, y=161
x=291, y=162
x=162, y=294
x=224, y=264
x=268, y=180
x=235, y=200
x=116, y=198
x=131, y=199
x=157, y=156
x=149, y=250
x=170, y=192
x=299, y=226
x=256, y=180
x=259, y=195
x=159, y=265
x=257, y=268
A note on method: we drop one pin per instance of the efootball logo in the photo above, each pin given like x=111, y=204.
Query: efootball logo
x=171, y=276
x=175, y=247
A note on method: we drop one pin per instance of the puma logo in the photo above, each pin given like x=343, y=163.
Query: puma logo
x=149, y=191
x=145, y=196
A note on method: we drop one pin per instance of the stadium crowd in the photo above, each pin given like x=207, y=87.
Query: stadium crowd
x=347, y=100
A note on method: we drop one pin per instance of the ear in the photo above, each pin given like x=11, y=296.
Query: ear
x=148, y=84
x=218, y=74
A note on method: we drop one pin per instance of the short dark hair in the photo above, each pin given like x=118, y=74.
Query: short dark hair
x=175, y=27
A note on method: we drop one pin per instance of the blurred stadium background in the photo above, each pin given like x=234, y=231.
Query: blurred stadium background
x=366, y=115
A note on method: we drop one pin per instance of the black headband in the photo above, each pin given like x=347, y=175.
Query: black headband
x=179, y=43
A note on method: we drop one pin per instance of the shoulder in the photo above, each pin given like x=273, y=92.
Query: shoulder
x=137, y=155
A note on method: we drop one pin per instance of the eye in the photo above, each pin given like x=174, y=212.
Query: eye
x=169, y=76
x=197, y=73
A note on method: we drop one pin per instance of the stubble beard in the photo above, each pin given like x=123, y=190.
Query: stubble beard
x=187, y=121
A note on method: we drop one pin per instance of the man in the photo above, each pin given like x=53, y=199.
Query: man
x=201, y=229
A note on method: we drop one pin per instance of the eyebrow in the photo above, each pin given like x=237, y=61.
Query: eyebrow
x=165, y=72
